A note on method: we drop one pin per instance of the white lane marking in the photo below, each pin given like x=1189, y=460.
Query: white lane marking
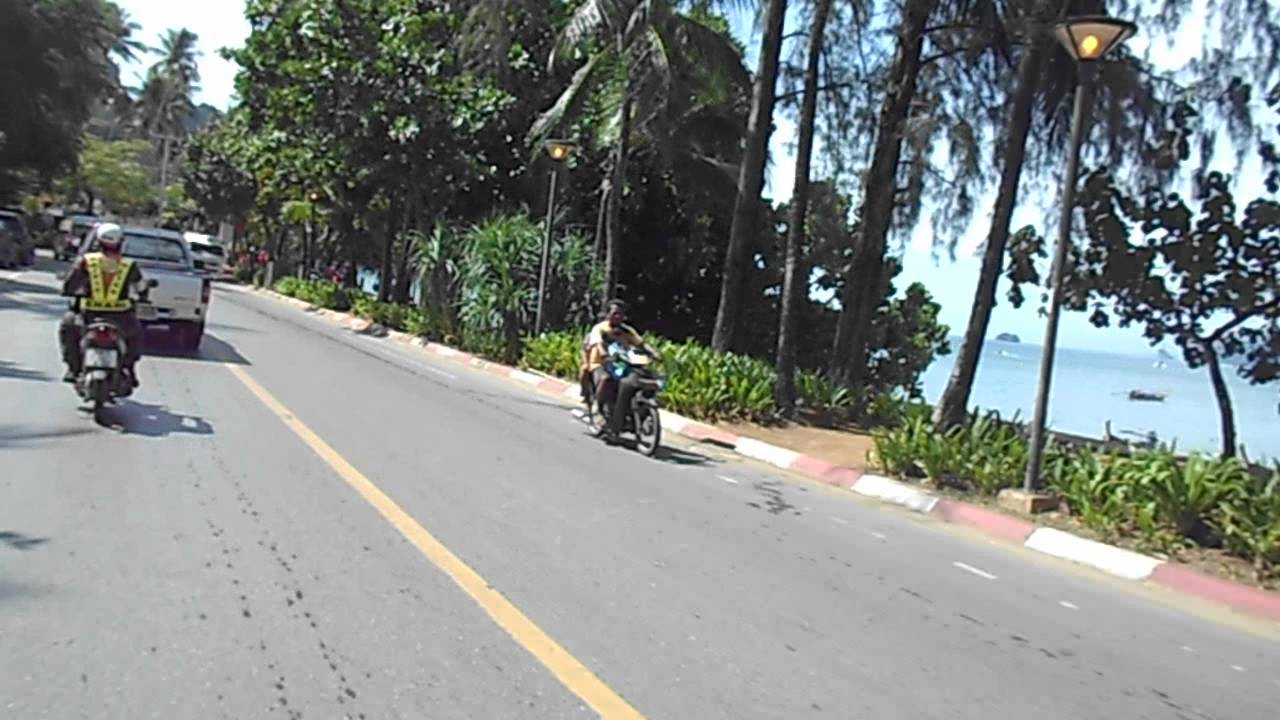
x=728, y=479
x=974, y=570
x=1068, y=605
x=841, y=521
x=877, y=535
x=1187, y=648
x=1238, y=668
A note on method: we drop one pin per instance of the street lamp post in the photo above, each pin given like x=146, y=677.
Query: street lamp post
x=308, y=259
x=558, y=151
x=1088, y=39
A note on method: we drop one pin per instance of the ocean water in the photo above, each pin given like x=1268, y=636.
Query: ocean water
x=1091, y=387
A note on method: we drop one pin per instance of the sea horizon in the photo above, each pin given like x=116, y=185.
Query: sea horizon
x=1091, y=387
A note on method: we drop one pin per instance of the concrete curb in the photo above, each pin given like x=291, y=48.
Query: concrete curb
x=1107, y=558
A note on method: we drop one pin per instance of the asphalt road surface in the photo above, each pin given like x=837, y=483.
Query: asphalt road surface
x=299, y=522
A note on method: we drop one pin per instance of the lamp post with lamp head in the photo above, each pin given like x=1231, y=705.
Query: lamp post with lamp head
x=1088, y=39
x=559, y=151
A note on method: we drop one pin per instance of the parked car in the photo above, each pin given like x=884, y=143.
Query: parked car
x=71, y=232
x=180, y=300
x=209, y=255
x=22, y=249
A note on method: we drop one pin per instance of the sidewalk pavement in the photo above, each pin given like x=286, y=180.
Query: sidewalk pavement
x=1110, y=559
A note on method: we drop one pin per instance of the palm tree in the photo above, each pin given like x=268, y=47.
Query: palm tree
x=794, y=281
x=165, y=98
x=648, y=44
x=750, y=177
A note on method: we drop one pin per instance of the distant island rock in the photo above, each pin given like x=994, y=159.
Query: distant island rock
x=1008, y=337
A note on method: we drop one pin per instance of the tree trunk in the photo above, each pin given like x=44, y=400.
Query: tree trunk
x=404, y=283
x=613, y=223
x=793, y=281
x=388, y=250
x=1223, y=397
x=746, y=208
x=954, y=404
x=863, y=282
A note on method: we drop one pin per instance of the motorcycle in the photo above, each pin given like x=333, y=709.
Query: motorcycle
x=102, y=379
x=643, y=421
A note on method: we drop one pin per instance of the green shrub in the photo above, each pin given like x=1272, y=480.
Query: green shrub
x=288, y=286
x=1250, y=524
x=556, y=353
x=817, y=392
x=1093, y=489
x=899, y=450
x=711, y=385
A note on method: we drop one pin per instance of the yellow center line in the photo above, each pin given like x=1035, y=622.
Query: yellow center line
x=575, y=676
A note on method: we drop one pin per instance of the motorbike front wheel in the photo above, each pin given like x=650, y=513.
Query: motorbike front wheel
x=648, y=429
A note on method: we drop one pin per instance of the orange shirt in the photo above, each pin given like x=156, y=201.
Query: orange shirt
x=598, y=340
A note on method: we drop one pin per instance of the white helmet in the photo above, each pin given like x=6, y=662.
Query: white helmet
x=110, y=236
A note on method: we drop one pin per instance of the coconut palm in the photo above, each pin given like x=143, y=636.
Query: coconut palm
x=643, y=55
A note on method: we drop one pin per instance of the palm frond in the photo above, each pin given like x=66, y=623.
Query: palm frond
x=593, y=19
x=567, y=104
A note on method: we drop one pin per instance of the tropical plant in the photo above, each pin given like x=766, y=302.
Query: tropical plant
x=651, y=60
x=1211, y=284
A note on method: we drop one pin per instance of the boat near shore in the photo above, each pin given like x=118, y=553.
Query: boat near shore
x=1146, y=396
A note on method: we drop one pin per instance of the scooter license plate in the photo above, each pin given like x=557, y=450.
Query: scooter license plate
x=146, y=312
x=101, y=358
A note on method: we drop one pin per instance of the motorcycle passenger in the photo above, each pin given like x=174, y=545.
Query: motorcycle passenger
x=105, y=284
x=595, y=348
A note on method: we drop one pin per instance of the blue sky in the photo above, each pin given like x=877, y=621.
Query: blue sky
x=221, y=23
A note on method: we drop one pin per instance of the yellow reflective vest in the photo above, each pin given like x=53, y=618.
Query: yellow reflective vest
x=104, y=297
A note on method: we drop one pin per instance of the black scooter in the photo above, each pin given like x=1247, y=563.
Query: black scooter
x=644, y=420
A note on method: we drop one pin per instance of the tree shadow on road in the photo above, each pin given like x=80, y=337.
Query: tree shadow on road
x=135, y=418
x=13, y=371
x=15, y=434
x=50, y=304
x=18, y=541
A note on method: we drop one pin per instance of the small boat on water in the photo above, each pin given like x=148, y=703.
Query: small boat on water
x=1146, y=396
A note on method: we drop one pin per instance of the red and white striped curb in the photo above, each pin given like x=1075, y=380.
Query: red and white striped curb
x=1107, y=558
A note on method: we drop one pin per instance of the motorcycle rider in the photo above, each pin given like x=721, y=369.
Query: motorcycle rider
x=104, y=283
x=595, y=351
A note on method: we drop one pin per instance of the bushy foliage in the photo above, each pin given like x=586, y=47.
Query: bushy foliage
x=701, y=383
x=1166, y=501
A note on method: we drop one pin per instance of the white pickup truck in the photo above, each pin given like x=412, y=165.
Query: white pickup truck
x=180, y=299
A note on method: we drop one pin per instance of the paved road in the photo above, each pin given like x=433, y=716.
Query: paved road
x=300, y=522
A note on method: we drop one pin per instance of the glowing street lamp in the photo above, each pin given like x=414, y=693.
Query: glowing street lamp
x=559, y=151
x=1088, y=39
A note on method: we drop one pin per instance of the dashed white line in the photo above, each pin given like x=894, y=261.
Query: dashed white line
x=974, y=570
x=1238, y=668
x=728, y=479
x=877, y=535
x=840, y=521
x=1068, y=605
x=1187, y=648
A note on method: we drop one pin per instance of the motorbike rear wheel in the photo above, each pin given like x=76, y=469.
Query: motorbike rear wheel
x=648, y=425
x=98, y=393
